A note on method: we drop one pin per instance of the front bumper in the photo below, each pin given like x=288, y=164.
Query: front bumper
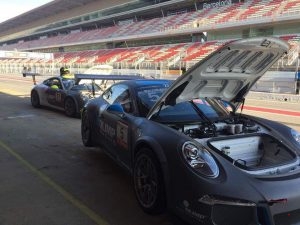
x=234, y=199
x=210, y=210
x=234, y=212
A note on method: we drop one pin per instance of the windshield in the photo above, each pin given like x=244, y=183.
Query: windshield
x=202, y=109
x=212, y=108
x=147, y=96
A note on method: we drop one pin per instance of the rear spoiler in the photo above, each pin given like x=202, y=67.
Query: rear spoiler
x=104, y=78
x=31, y=74
x=79, y=77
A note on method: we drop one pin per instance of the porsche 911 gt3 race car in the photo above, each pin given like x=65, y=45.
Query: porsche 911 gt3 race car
x=189, y=149
x=70, y=94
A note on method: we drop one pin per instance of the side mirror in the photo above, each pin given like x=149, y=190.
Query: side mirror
x=116, y=109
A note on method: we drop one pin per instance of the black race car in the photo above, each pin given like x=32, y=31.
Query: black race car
x=189, y=150
x=70, y=94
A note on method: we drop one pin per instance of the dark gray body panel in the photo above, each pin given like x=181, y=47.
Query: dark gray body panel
x=184, y=187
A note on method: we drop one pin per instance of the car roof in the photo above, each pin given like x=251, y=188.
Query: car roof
x=144, y=82
x=59, y=77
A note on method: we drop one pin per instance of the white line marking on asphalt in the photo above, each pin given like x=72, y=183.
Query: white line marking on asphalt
x=17, y=117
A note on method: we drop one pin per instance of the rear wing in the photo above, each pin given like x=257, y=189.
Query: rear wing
x=25, y=74
x=93, y=77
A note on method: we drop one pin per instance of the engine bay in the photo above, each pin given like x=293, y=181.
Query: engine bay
x=226, y=127
x=245, y=143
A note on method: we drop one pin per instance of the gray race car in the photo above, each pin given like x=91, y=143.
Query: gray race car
x=63, y=94
x=190, y=151
x=70, y=94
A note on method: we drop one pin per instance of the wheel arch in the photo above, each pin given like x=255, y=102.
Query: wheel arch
x=155, y=147
x=75, y=102
x=90, y=141
x=34, y=91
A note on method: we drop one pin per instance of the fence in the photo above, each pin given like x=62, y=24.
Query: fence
x=272, y=82
x=277, y=82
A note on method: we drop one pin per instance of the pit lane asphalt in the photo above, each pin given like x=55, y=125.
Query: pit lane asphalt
x=48, y=177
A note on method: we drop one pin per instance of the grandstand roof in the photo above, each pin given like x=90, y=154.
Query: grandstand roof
x=51, y=8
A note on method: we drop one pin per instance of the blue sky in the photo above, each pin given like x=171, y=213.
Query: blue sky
x=12, y=8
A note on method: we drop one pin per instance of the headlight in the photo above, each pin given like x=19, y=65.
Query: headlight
x=296, y=135
x=200, y=160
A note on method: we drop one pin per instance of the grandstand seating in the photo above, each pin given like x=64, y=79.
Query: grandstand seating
x=86, y=56
x=168, y=52
x=198, y=51
x=108, y=56
x=291, y=7
x=185, y=52
x=235, y=12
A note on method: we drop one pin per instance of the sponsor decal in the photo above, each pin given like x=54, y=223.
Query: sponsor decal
x=122, y=135
x=107, y=130
x=217, y=4
x=58, y=97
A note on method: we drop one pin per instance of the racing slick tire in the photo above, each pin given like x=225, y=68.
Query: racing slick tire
x=35, y=99
x=148, y=182
x=86, y=131
x=70, y=107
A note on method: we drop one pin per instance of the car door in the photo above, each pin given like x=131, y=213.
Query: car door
x=55, y=93
x=116, y=128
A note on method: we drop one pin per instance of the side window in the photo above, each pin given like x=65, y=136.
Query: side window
x=47, y=83
x=119, y=94
x=56, y=83
x=53, y=83
x=125, y=100
x=111, y=94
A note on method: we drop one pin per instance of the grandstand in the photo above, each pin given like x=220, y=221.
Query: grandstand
x=154, y=37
